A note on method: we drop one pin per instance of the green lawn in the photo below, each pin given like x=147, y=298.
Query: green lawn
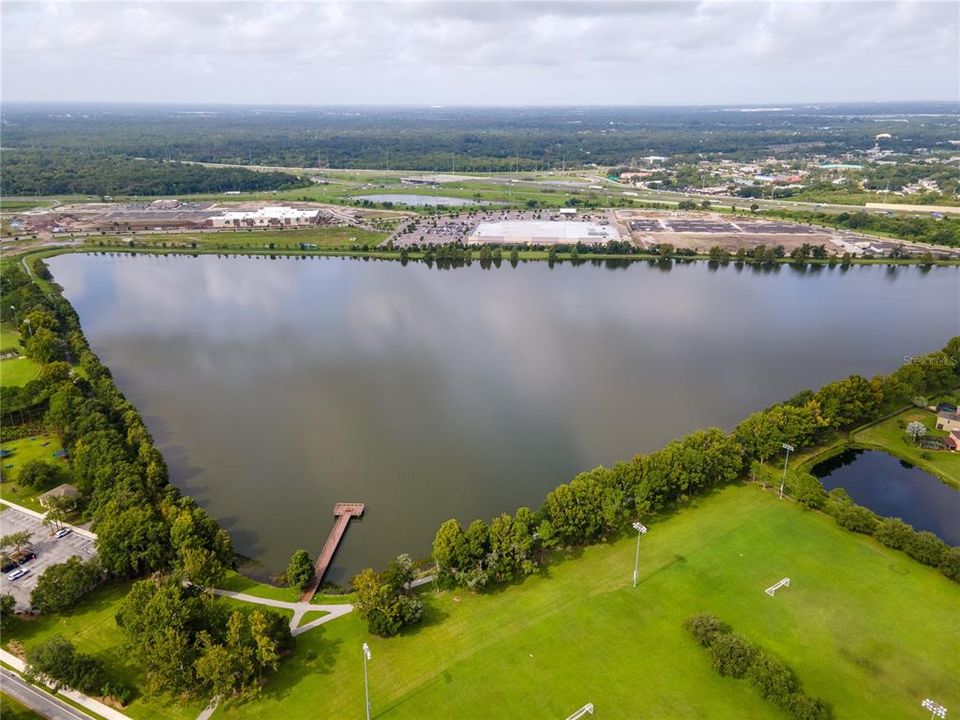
x=326, y=237
x=16, y=372
x=241, y=583
x=93, y=630
x=890, y=435
x=866, y=628
x=10, y=709
x=23, y=451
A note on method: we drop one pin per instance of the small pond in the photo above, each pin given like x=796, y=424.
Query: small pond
x=422, y=200
x=895, y=488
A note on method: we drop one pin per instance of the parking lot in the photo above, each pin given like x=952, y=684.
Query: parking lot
x=49, y=549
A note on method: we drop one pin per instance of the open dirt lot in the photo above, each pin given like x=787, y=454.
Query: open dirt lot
x=702, y=231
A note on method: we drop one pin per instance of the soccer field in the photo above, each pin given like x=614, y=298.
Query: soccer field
x=865, y=628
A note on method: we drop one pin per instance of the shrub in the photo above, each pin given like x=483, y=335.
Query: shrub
x=950, y=563
x=731, y=655
x=856, y=518
x=704, y=628
x=300, y=570
x=804, y=707
x=894, y=533
x=808, y=491
x=772, y=678
x=926, y=547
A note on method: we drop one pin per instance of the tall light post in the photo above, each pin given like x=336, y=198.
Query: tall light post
x=788, y=447
x=366, y=683
x=936, y=709
x=14, y=308
x=29, y=326
x=641, y=530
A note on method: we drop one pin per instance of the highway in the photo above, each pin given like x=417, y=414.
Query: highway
x=49, y=706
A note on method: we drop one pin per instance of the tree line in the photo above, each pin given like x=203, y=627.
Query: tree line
x=52, y=172
x=598, y=504
x=184, y=637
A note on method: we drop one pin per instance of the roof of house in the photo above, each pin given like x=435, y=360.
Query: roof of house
x=65, y=490
x=947, y=415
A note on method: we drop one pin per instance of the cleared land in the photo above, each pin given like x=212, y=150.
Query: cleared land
x=890, y=435
x=850, y=626
x=254, y=239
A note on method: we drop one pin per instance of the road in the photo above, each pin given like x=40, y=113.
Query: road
x=50, y=707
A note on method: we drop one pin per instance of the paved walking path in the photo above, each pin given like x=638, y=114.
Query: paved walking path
x=299, y=609
x=94, y=706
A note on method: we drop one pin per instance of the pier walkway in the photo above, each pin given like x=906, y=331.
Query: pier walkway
x=343, y=512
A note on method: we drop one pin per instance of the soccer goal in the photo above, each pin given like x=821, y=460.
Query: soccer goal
x=772, y=590
x=582, y=712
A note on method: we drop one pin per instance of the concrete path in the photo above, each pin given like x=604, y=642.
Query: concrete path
x=94, y=706
x=299, y=609
x=209, y=709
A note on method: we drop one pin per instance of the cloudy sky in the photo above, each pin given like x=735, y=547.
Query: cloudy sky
x=481, y=53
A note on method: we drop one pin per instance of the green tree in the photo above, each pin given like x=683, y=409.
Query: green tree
x=8, y=607
x=18, y=541
x=132, y=540
x=384, y=601
x=62, y=585
x=38, y=474
x=44, y=346
x=300, y=570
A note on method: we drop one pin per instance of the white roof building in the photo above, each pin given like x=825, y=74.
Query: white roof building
x=274, y=215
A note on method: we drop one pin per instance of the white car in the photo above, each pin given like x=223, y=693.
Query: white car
x=63, y=532
x=17, y=574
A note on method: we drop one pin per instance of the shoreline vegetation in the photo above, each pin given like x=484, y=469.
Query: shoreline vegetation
x=153, y=536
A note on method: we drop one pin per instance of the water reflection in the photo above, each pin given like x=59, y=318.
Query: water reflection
x=276, y=389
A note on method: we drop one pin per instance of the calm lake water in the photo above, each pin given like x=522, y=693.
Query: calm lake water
x=276, y=388
x=422, y=200
x=894, y=488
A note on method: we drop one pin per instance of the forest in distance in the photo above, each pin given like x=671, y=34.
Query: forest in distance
x=478, y=139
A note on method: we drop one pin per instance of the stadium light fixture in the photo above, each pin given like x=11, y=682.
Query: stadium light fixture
x=789, y=448
x=366, y=685
x=641, y=530
x=936, y=709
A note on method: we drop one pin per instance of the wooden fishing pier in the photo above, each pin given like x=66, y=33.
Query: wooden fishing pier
x=342, y=512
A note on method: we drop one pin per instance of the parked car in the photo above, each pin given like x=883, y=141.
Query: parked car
x=63, y=532
x=27, y=556
x=17, y=574
x=9, y=565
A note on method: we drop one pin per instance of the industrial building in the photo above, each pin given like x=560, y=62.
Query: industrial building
x=266, y=217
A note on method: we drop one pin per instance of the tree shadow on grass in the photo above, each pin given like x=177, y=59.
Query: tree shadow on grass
x=433, y=614
x=315, y=654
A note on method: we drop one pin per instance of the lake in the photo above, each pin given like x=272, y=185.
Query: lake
x=422, y=200
x=276, y=388
x=894, y=488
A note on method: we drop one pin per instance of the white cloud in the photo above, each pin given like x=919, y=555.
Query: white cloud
x=481, y=53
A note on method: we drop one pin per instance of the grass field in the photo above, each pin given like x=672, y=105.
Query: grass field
x=22, y=451
x=10, y=709
x=890, y=435
x=93, y=630
x=868, y=629
x=16, y=372
x=326, y=237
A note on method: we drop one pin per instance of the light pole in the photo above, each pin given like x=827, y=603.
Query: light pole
x=788, y=447
x=641, y=529
x=29, y=326
x=14, y=308
x=936, y=709
x=366, y=684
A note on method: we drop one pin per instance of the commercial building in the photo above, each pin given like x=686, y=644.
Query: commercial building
x=266, y=217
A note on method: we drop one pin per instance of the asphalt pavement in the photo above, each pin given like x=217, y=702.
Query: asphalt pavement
x=48, y=706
